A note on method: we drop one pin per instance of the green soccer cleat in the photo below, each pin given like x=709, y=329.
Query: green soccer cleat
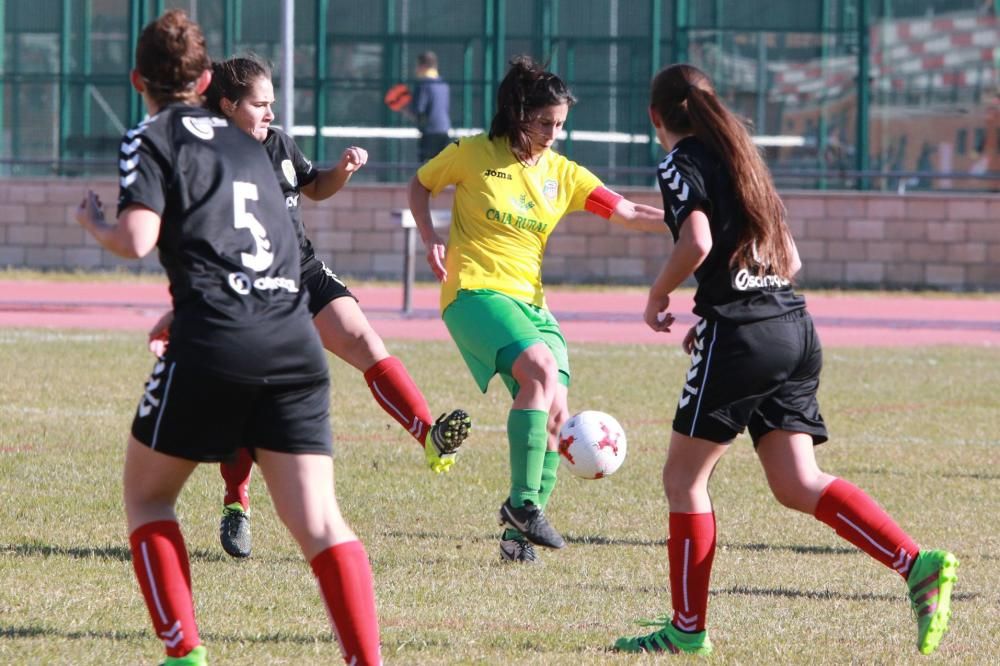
x=667, y=638
x=196, y=657
x=444, y=438
x=930, y=581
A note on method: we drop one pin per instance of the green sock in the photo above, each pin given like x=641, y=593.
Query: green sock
x=549, y=469
x=527, y=434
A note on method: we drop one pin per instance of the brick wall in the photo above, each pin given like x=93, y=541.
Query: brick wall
x=845, y=238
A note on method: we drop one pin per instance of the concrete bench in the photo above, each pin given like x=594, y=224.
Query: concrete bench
x=402, y=216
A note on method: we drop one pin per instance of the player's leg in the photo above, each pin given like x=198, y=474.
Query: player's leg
x=234, y=528
x=536, y=374
x=184, y=416
x=290, y=432
x=558, y=415
x=690, y=549
x=152, y=482
x=347, y=333
x=790, y=465
x=302, y=489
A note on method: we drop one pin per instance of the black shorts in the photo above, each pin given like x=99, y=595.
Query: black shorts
x=322, y=284
x=762, y=376
x=188, y=413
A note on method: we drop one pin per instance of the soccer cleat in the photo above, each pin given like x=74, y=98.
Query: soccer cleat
x=234, y=530
x=530, y=521
x=444, y=438
x=930, y=581
x=515, y=548
x=667, y=638
x=196, y=657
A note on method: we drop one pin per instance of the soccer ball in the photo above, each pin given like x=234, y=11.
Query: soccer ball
x=592, y=445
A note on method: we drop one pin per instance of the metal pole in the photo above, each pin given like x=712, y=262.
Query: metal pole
x=864, y=48
x=760, y=121
x=655, y=55
x=228, y=28
x=489, y=64
x=65, y=103
x=680, y=31
x=288, y=65
x=3, y=72
x=319, y=88
x=87, y=61
x=136, y=14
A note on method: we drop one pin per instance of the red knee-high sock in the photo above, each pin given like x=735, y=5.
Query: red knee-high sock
x=398, y=395
x=856, y=517
x=236, y=474
x=345, y=581
x=690, y=550
x=160, y=560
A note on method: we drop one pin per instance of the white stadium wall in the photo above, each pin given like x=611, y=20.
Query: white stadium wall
x=846, y=239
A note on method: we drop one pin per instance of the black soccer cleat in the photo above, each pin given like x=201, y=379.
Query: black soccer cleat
x=530, y=521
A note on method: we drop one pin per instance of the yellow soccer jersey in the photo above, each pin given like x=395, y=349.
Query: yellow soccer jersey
x=503, y=214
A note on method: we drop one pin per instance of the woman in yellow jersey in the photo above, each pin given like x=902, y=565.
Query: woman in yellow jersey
x=511, y=189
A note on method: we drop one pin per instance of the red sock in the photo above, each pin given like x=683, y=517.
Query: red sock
x=856, y=517
x=398, y=395
x=160, y=560
x=690, y=550
x=345, y=581
x=236, y=474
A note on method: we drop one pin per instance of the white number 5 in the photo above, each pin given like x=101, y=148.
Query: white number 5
x=261, y=258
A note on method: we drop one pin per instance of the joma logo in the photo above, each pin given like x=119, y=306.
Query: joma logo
x=493, y=173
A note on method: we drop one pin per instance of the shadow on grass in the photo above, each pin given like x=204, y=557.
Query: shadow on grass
x=599, y=540
x=883, y=471
x=743, y=590
x=116, y=553
x=36, y=631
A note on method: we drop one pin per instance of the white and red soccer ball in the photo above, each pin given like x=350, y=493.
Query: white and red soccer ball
x=592, y=445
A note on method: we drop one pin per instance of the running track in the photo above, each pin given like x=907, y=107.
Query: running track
x=586, y=316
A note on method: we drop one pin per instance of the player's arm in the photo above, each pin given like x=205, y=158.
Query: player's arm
x=796, y=264
x=420, y=206
x=134, y=234
x=612, y=206
x=693, y=245
x=330, y=181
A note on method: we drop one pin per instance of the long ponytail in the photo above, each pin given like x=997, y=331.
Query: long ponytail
x=684, y=98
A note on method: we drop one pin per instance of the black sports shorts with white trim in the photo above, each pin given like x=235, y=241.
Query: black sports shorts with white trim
x=762, y=376
x=189, y=413
x=323, y=284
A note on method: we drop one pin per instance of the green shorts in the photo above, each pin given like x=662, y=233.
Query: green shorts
x=492, y=329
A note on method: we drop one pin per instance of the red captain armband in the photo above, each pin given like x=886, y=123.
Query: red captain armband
x=602, y=202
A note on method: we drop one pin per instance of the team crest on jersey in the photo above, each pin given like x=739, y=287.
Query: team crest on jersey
x=522, y=203
x=288, y=169
x=550, y=189
x=203, y=128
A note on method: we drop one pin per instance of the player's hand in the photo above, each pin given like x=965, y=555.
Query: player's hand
x=435, y=257
x=159, y=335
x=353, y=159
x=656, y=315
x=90, y=212
x=688, y=343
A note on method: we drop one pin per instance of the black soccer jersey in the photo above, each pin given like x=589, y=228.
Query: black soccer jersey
x=293, y=171
x=692, y=177
x=226, y=245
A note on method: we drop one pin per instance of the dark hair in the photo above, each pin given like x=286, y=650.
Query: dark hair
x=170, y=56
x=686, y=102
x=233, y=79
x=526, y=88
x=428, y=59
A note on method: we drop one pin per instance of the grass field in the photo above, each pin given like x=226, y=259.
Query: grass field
x=917, y=428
